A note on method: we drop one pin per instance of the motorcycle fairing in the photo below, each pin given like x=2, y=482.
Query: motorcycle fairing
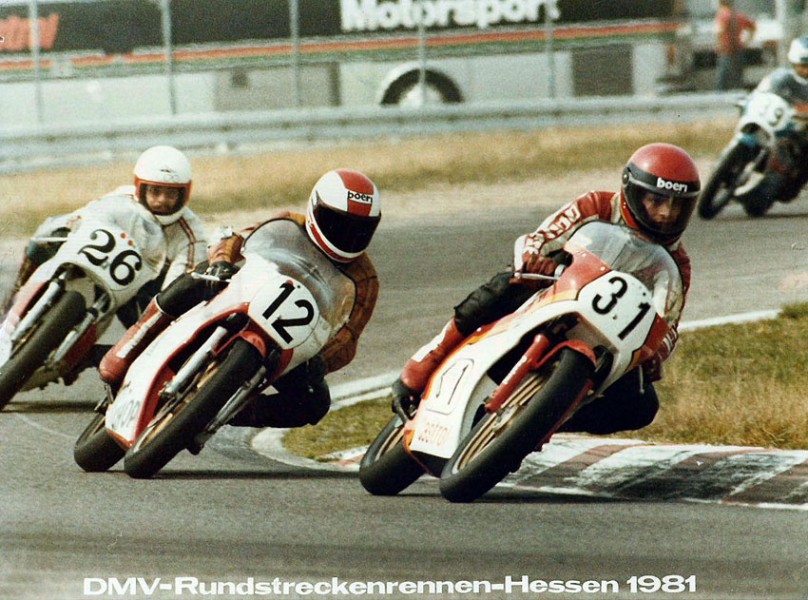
x=106, y=255
x=444, y=417
x=255, y=289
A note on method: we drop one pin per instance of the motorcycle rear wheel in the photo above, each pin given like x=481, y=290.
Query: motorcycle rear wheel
x=95, y=451
x=55, y=324
x=720, y=188
x=174, y=430
x=386, y=469
x=499, y=441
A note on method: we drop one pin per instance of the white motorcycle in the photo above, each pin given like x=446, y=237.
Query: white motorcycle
x=70, y=300
x=743, y=161
x=511, y=384
x=277, y=312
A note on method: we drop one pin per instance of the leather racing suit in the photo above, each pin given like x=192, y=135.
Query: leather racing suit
x=628, y=404
x=302, y=395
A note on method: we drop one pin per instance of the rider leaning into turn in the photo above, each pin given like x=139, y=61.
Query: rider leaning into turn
x=343, y=211
x=659, y=191
x=787, y=169
x=161, y=191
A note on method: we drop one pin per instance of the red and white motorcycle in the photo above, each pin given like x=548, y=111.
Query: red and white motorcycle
x=511, y=384
x=276, y=313
x=70, y=300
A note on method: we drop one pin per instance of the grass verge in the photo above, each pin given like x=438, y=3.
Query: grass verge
x=284, y=178
x=730, y=385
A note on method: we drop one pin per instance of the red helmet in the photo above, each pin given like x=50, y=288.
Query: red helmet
x=659, y=192
x=343, y=212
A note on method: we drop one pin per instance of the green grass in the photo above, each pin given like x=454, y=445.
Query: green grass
x=743, y=385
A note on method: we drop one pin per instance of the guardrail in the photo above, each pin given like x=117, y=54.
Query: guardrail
x=52, y=146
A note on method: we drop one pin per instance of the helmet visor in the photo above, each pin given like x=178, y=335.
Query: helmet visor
x=667, y=215
x=663, y=214
x=346, y=232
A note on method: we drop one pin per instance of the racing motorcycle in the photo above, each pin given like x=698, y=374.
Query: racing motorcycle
x=70, y=300
x=743, y=161
x=511, y=384
x=277, y=312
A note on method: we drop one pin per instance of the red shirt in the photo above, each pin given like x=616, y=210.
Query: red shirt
x=730, y=25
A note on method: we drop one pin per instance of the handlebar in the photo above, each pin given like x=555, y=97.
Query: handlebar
x=48, y=239
x=534, y=276
x=213, y=278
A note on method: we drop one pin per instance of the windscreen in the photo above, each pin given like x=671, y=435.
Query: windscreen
x=286, y=245
x=628, y=251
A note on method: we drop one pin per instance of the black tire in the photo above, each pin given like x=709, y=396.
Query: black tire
x=386, y=468
x=439, y=86
x=758, y=201
x=95, y=451
x=720, y=188
x=757, y=204
x=499, y=441
x=173, y=431
x=66, y=312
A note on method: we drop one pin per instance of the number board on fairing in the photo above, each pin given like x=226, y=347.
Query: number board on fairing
x=622, y=308
x=115, y=258
x=287, y=312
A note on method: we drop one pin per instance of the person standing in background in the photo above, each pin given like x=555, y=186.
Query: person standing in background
x=731, y=26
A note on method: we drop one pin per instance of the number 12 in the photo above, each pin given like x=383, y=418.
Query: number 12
x=281, y=323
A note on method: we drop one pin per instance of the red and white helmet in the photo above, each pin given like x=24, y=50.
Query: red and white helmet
x=164, y=166
x=659, y=172
x=343, y=212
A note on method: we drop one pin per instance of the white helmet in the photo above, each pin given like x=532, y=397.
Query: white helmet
x=798, y=51
x=164, y=166
x=343, y=212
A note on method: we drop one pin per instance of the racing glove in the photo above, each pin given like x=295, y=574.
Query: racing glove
x=405, y=400
x=224, y=271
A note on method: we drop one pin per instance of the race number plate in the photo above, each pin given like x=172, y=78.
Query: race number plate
x=287, y=312
x=621, y=307
x=112, y=256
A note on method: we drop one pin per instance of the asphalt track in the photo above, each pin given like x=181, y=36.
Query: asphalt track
x=234, y=516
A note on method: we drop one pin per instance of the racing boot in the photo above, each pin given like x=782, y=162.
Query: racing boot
x=418, y=369
x=120, y=357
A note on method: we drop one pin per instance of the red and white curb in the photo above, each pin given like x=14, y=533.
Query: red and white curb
x=615, y=468
x=629, y=470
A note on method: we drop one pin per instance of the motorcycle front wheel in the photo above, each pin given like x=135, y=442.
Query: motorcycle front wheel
x=721, y=185
x=386, y=469
x=34, y=349
x=174, y=428
x=95, y=451
x=499, y=441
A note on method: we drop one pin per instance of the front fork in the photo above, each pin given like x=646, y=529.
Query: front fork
x=236, y=402
x=199, y=359
x=539, y=352
x=529, y=361
x=53, y=290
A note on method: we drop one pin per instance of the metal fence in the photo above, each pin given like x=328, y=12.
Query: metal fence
x=244, y=132
x=101, y=59
x=321, y=70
